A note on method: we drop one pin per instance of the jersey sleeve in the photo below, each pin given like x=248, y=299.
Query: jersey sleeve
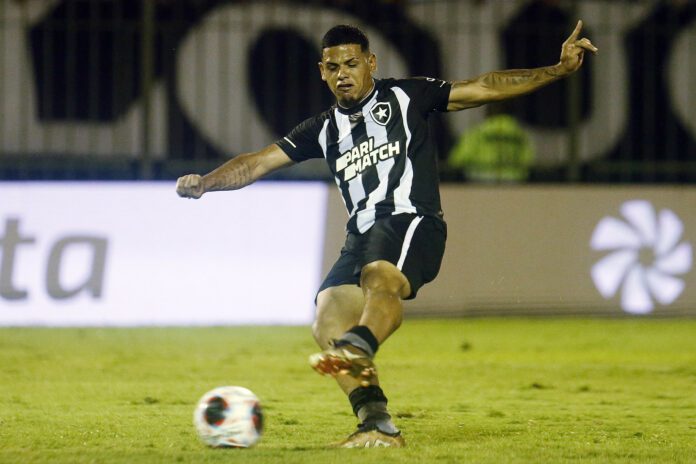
x=429, y=94
x=302, y=143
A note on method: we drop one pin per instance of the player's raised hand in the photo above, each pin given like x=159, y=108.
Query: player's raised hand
x=190, y=186
x=573, y=50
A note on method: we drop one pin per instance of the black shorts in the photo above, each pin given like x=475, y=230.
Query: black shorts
x=414, y=244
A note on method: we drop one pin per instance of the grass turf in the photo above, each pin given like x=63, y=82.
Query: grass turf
x=473, y=390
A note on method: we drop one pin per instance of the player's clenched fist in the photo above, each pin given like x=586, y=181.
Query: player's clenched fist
x=190, y=186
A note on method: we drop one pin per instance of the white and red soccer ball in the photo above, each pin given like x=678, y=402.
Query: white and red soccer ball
x=229, y=417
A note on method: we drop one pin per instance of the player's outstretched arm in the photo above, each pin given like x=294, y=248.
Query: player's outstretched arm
x=501, y=85
x=236, y=173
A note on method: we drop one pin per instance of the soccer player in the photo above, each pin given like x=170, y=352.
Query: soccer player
x=376, y=143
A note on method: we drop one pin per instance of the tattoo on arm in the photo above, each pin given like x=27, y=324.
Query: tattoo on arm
x=501, y=85
x=233, y=176
x=524, y=78
x=515, y=77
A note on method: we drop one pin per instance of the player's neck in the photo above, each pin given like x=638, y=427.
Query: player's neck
x=362, y=100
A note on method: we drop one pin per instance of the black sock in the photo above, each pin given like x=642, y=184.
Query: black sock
x=363, y=395
x=370, y=406
x=362, y=338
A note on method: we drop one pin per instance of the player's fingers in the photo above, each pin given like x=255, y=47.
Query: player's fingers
x=192, y=181
x=587, y=45
x=574, y=36
x=180, y=185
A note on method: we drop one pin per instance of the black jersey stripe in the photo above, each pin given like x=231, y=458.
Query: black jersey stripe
x=403, y=188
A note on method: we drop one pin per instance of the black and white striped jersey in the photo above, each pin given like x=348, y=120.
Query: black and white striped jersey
x=379, y=151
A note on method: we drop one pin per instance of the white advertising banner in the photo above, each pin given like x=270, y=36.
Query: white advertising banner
x=134, y=253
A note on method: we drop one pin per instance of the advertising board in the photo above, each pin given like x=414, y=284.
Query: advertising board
x=132, y=253
x=551, y=249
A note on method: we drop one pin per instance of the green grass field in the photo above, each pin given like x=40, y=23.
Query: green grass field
x=472, y=390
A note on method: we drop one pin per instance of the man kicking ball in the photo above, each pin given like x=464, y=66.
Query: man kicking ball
x=376, y=142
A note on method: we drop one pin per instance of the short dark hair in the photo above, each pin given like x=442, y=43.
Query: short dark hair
x=345, y=34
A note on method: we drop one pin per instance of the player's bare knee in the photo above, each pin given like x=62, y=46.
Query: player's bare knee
x=383, y=277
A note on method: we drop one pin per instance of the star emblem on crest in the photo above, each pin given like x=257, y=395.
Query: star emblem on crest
x=381, y=113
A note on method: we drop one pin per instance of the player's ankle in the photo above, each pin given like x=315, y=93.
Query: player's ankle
x=369, y=404
x=387, y=426
x=360, y=337
x=370, y=407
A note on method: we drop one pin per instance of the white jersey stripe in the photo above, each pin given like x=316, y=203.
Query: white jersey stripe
x=402, y=201
x=407, y=241
x=366, y=217
x=322, y=137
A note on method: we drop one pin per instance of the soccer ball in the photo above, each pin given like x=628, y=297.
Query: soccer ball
x=229, y=417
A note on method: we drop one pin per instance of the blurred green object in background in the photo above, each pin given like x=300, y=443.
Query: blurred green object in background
x=498, y=149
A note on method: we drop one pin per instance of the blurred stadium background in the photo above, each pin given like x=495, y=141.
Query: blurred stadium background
x=578, y=199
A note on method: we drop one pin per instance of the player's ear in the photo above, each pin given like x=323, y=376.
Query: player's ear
x=321, y=71
x=372, y=62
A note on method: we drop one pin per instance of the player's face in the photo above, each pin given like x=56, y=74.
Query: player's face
x=347, y=71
